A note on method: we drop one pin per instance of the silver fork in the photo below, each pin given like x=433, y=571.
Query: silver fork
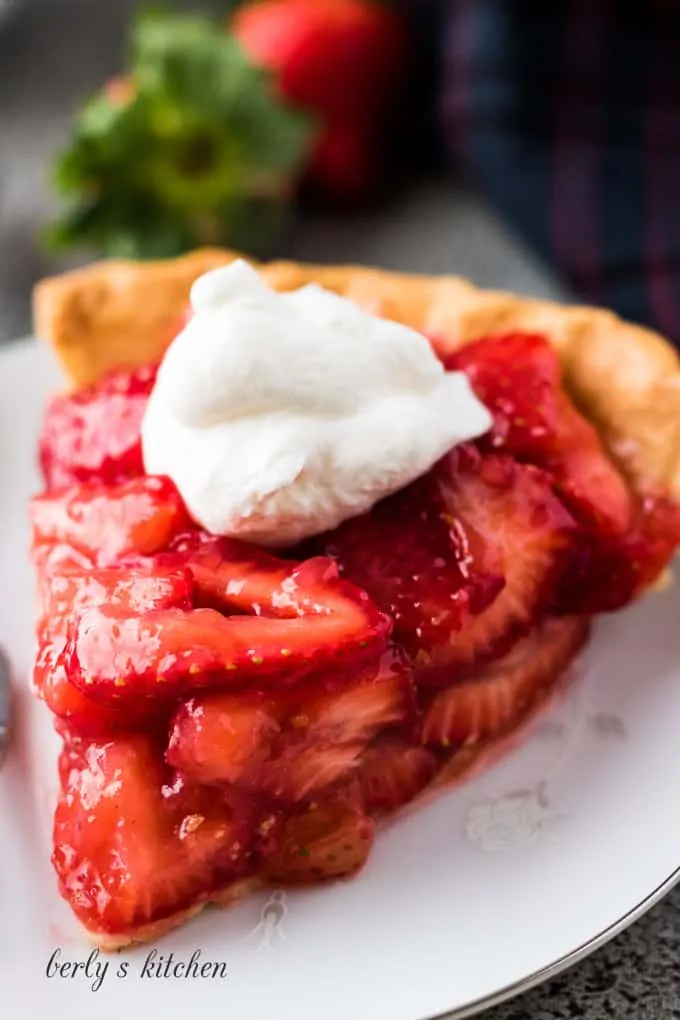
x=4, y=705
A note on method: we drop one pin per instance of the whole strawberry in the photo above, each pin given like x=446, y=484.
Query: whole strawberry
x=345, y=61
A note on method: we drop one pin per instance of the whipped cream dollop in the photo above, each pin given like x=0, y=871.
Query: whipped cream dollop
x=278, y=416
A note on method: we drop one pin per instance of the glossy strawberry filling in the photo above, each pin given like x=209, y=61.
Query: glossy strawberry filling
x=227, y=714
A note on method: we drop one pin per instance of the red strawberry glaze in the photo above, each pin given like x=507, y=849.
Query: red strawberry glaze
x=256, y=713
x=94, y=434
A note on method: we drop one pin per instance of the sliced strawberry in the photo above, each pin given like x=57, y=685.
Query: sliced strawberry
x=140, y=517
x=237, y=577
x=392, y=772
x=654, y=539
x=495, y=701
x=170, y=653
x=94, y=434
x=414, y=559
x=325, y=732
x=85, y=717
x=354, y=713
x=610, y=572
x=627, y=541
x=464, y=560
x=510, y=509
x=320, y=625
x=590, y=485
x=235, y=739
x=62, y=598
x=301, y=771
x=518, y=377
x=328, y=841
x=133, y=845
x=290, y=746
x=71, y=754
x=224, y=738
x=59, y=557
x=63, y=595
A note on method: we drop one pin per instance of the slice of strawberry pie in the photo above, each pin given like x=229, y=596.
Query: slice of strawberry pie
x=294, y=570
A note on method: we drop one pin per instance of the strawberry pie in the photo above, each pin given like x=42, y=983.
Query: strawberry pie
x=313, y=541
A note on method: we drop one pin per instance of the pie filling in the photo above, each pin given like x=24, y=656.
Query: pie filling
x=228, y=713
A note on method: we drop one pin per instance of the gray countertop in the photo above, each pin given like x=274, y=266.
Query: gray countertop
x=51, y=55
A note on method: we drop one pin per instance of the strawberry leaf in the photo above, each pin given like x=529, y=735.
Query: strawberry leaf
x=193, y=149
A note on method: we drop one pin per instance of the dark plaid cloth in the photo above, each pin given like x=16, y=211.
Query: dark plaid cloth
x=567, y=116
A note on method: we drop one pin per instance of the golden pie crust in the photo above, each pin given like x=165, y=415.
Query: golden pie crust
x=626, y=379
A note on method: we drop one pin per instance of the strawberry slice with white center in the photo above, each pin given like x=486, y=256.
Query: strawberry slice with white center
x=511, y=511
x=331, y=840
x=496, y=701
x=319, y=625
x=464, y=560
x=302, y=771
x=356, y=712
x=326, y=732
x=132, y=845
x=289, y=746
x=414, y=559
x=138, y=517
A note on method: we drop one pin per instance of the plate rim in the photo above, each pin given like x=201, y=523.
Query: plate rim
x=565, y=962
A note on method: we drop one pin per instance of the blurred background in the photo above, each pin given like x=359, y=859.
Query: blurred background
x=416, y=214
x=530, y=146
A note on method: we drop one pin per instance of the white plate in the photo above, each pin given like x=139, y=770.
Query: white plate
x=495, y=885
